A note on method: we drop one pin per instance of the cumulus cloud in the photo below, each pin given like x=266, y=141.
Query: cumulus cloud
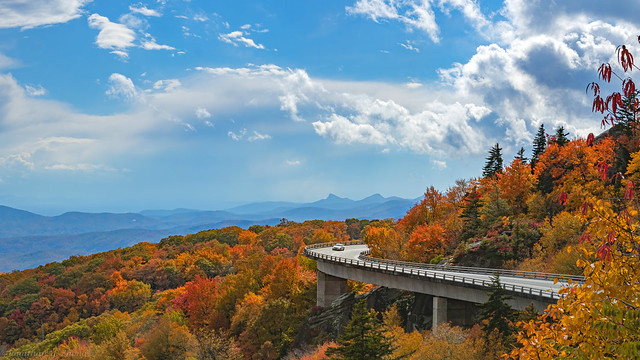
x=122, y=86
x=293, y=162
x=238, y=37
x=119, y=37
x=33, y=13
x=112, y=36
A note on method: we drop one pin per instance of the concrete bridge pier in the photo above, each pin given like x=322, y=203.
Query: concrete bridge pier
x=329, y=288
x=439, y=312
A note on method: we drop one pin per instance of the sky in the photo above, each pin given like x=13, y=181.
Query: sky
x=123, y=105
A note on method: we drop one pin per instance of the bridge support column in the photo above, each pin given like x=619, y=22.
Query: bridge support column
x=439, y=311
x=329, y=288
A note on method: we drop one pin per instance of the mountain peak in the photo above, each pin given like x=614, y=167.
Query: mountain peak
x=333, y=196
x=374, y=197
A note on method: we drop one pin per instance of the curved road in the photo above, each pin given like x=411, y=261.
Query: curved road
x=526, y=283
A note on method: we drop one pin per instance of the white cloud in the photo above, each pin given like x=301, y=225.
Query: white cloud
x=112, y=35
x=141, y=9
x=33, y=13
x=238, y=37
x=123, y=55
x=439, y=164
x=35, y=90
x=344, y=131
x=152, y=45
x=419, y=14
x=257, y=136
x=7, y=62
x=245, y=27
x=293, y=162
x=409, y=47
x=202, y=113
x=122, y=86
x=413, y=85
x=119, y=37
x=237, y=136
x=414, y=14
x=40, y=135
x=167, y=85
x=201, y=17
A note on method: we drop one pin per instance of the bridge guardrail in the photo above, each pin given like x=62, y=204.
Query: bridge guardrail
x=427, y=270
x=477, y=270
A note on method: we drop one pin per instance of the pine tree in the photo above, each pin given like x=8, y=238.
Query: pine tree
x=539, y=146
x=362, y=338
x=520, y=156
x=627, y=114
x=494, y=162
x=561, y=137
x=471, y=215
x=497, y=318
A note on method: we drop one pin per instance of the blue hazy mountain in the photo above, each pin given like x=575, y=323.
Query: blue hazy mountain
x=28, y=239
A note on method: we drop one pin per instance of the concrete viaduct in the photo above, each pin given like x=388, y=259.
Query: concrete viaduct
x=454, y=288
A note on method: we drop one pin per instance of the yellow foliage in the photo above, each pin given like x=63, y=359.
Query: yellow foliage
x=600, y=318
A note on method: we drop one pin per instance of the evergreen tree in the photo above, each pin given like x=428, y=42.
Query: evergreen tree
x=521, y=157
x=627, y=114
x=561, y=137
x=362, y=338
x=496, y=314
x=494, y=162
x=471, y=215
x=539, y=146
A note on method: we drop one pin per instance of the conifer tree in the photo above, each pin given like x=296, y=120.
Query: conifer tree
x=627, y=114
x=561, y=137
x=521, y=157
x=539, y=146
x=497, y=318
x=494, y=162
x=471, y=215
x=362, y=338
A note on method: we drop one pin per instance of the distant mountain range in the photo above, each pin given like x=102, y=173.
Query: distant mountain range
x=28, y=240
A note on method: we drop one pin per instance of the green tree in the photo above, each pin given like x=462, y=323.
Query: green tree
x=494, y=162
x=362, y=338
x=539, y=146
x=561, y=137
x=471, y=214
x=497, y=319
x=628, y=113
x=521, y=157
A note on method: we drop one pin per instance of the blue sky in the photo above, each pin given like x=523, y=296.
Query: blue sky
x=126, y=105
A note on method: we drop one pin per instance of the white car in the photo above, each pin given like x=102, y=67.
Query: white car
x=338, y=247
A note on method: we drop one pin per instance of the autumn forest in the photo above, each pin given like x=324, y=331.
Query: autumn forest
x=568, y=207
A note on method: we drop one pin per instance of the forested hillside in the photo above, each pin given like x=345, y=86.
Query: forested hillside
x=233, y=293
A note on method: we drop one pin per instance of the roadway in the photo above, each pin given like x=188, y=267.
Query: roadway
x=545, y=288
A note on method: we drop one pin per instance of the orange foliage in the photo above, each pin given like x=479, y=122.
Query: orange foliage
x=199, y=303
x=426, y=242
x=384, y=242
x=515, y=183
x=247, y=237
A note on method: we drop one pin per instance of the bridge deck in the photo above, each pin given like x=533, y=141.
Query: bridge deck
x=465, y=285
